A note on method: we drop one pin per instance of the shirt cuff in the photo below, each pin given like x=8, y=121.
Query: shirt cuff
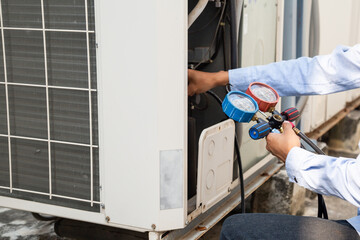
x=240, y=78
x=293, y=164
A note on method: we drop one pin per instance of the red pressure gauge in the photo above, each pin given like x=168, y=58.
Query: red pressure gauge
x=265, y=96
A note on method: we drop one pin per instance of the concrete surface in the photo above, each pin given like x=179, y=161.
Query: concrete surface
x=278, y=195
x=20, y=225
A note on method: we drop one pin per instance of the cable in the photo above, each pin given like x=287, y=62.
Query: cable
x=207, y=24
x=237, y=150
x=215, y=36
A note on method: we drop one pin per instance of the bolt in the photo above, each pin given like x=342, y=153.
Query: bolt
x=102, y=206
x=229, y=189
x=153, y=226
x=107, y=219
x=218, y=3
x=187, y=222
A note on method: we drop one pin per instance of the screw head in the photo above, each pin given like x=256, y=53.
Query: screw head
x=153, y=226
x=107, y=219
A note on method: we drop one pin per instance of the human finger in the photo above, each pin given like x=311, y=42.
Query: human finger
x=287, y=127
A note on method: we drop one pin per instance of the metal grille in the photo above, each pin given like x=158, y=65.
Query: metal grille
x=48, y=102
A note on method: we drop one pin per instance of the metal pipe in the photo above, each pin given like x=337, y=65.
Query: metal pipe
x=197, y=10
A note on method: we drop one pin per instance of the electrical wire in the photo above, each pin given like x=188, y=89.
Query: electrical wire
x=215, y=36
x=207, y=24
x=237, y=150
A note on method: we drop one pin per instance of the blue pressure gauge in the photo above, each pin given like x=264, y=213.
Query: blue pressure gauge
x=239, y=106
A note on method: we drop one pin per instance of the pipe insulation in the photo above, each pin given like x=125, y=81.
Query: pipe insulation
x=197, y=10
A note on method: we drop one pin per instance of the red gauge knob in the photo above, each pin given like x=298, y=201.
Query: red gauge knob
x=291, y=114
x=265, y=96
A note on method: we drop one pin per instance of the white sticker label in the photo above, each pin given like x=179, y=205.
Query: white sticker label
x=171, y=179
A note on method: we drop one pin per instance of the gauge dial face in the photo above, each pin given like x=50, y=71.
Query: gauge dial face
x=263, y=93
x=242, y=103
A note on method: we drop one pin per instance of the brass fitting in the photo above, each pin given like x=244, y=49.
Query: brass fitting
x=271, y=109
x=297, y=131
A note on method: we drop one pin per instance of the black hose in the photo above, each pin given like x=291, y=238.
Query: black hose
x=311, y=144
x=40, y=217
x=237, y=150
x=241, y=175
x=322, y=211
x=234, y=64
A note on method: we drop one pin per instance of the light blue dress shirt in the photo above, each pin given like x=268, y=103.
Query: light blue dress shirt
x=326, y=74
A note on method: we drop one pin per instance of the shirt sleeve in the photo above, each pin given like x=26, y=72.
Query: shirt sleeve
x=326, y=175
x=338, y=71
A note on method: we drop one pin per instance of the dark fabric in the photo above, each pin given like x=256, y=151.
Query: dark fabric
x=343, y=222
x=277, y=226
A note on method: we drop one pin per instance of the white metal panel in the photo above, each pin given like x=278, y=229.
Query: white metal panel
x=355, y=23
x=142, y=106
x=215, y=164
x=335, y=24
x=335, y=103
x=259, y=42
x=259, y=33
x=305, y=123
x=279, y=31
x=352, y=95
x=172, y=94
x=318, y=110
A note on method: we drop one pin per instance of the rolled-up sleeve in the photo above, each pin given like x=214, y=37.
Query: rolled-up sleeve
x=324, y=174
x=336, y=72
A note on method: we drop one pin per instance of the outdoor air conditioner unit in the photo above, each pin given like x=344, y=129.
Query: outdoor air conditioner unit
x=91, y=111
x=93, y=116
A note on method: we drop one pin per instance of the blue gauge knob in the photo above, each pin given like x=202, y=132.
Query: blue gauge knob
x=239, y=106
x=259, y=130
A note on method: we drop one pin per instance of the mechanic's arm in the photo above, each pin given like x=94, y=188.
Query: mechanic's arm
x=338, y=71
x=200, y=82
x=322, y=174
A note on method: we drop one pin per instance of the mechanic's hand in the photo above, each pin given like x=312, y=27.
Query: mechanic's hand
x=280, y=144
x=200, y=82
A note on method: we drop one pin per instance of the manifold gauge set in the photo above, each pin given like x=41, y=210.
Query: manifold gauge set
x=259, y=98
